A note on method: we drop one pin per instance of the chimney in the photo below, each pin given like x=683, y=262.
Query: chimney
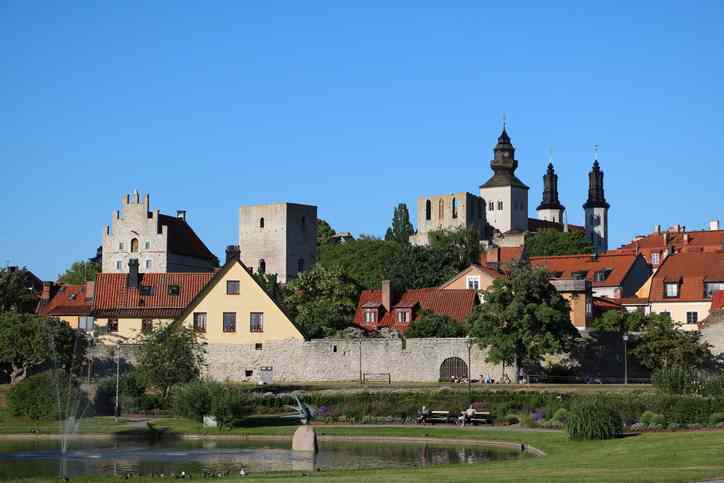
x=686, y=238
x=233, y=253
x=181, y=214
x=47, y=291
x=90, y=291
x=657, y=229
x=666, y=238
x=133, y=273
x=386, y=295
x=714, y=225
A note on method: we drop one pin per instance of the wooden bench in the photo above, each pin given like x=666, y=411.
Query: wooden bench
x=381, y=377
x=481, y=417
x=439, y=417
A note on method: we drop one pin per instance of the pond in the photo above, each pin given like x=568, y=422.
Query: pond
x=119, y=457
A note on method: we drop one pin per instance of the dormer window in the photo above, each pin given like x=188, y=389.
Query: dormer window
x=370, y=316
x=403, y=316
x=146, y=290
x=579, y=275
x=602, y=275
x=655, y=259
x=174, y=289
x=473, y=282
x=711, y=287
x=672, y=290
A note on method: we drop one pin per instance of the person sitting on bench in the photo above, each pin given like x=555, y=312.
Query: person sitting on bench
x=423, y=416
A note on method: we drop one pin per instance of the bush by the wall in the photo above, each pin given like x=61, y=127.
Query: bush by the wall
x=222, y=401
x=561, y=415
x=716, y=418
x=43, y=396
x=192, y=400
x=683, y=381
x=132, y=395
x=647, y=417
x=594, y=419
x=227, y=405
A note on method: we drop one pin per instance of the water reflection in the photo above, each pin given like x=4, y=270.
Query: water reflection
x=42, y=458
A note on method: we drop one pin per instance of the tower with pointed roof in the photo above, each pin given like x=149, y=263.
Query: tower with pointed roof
x=505, y=196
x=596, y=209
x=550, y=208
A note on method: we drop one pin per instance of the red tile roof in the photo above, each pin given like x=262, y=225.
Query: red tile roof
x=501, y=255
x=717, y=301
x=604, y=304
x=182, y=239
x=67, y=300
x=678, y=241
x=566, y=265
x=633, y=301
x=113, y=298
x=691, y=270
x=455, y=303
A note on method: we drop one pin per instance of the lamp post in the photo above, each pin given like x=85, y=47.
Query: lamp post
x=470, y=369
x=625, y=358
x=118, y=371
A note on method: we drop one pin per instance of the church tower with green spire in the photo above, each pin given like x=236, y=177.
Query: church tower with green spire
x=504, y=195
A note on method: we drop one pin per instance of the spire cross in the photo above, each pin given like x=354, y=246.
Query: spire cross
x=595, y=152
x=505, y=122
x=550, y=154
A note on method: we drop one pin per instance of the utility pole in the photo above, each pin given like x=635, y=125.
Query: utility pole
x=625, y=358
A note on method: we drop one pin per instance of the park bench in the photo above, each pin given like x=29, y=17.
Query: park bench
x=381, y=377
x=481, y=417
x=439, y=417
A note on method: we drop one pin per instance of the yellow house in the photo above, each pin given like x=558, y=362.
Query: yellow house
x=227, y=306
x=475, y=277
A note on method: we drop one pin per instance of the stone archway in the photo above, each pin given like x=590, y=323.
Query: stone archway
x=453, y=367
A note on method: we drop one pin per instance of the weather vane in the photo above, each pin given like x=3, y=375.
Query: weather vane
x=505, y=122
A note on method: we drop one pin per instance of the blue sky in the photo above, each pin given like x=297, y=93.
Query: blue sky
x=211, y=105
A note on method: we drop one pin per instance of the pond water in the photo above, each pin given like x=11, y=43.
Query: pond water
x=120, y=457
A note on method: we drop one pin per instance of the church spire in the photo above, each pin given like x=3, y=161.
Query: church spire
x=596, y=196
x=550, y=190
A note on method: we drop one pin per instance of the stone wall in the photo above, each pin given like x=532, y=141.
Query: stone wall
x=412, y=360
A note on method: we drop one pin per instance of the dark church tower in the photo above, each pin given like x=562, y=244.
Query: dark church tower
x=596, y=209
x=550, y=208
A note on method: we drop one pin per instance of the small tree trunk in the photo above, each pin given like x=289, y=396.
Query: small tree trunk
x=17, y=374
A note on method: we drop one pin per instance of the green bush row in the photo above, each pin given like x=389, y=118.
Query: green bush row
x=222, y=401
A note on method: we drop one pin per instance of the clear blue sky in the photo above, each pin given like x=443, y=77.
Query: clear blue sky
x=211, y=105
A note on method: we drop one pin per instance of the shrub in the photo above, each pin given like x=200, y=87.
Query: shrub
x=658, y=420
x=561, y=415
x=647, y=417
x=131, y=390
x=222, y=401
x=192, y=400
x=527, y=421
x=716, y=418
x=674, y=380
x=43, y=396
x=511, y=419
x=227, y=405
x=594, y=419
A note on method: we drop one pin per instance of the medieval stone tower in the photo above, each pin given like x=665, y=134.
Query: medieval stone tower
x=279, y=238
x=550, y=208
x=504, y=195
x=158, y=242
x=596, y=209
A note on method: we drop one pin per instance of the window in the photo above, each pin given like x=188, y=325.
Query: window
x=655, y=259
x=256, y=322
x=500, y=205
x=147, y=245
x=672, y=290
x=120, y=246
x=174, y=289
x=261, y=222
x=232, y=287
x=119, y=265
x=85, y=323
x=403, y=316
x=711, y=287
x=334, y=348
x=257, y=346
x=454, y=208
x=440, y=209
x=262, y=266
x=428, y=210
x=602, y=275
x=491, y=206
x=473, y=282
x=134, y=245
x=300, y=265
x=579, y=275
x=229, y=321
x=589, y=310
x=248, y=373
x=146, y=326
x=112, y=325
x=692, y=317
x=146, y=290
x=370, y=316
x=200, y=321
x=148, y=264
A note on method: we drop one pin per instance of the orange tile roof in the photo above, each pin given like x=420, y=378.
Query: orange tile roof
x=564, y=266
x=717, y=301
x=455, y=303
x=67, y=300
x=113, y=298
x=678, y=241
x=692, y=270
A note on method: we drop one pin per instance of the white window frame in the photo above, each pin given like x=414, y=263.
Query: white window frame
x=674, y=293
x=403, y=317
x=148, y=264
x=119, y=264
x=696, y=316
x=655, y=258
x=475, y=279
x=370, y=316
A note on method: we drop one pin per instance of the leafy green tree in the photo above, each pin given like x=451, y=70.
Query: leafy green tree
x=324, y=299
x=275, y=290
x=553, y=242
x=14, y=293
x=663, y=344
x=461, y=247
x=169, y=355
x=401, y=228
x=29, y=342
x=617, y=321
x=79, y=273
x=324, y=233
x=522, y=319
x=431, y=324
x=365, y=261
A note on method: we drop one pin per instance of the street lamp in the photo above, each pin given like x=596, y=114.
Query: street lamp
x=470, y=369
x=625, y=358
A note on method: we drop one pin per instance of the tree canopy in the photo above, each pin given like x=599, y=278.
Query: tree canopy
x=401, y=228
x=553, y=242
x=365, y=261
x=79, y=273
x=617, y=321
x=324, y=233
x=522, y=319
x=14, y=293
x=324, y=301
x=431, y=324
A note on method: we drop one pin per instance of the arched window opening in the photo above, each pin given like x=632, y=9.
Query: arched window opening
x=454, y=208
x=261, y=222
x=440, y=210
x=453, y=368
x=428, y=210
x=134, y=245
x=262, y=266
